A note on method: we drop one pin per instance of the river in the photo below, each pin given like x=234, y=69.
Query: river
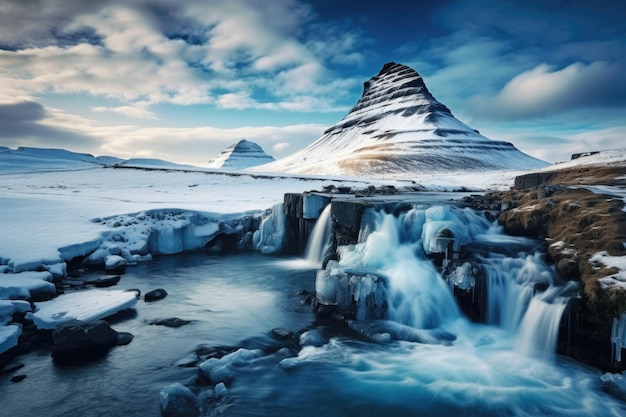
x=234, y=301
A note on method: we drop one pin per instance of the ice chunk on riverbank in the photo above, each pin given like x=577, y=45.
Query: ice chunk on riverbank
x=270, y=237
x=83, y=305
x=8, y=337
x=10, y=333
x=25, y=285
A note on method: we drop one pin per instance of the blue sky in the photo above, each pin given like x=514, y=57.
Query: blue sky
x=182, y=80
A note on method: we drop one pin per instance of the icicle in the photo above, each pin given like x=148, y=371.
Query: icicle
x=621, y=330
x=614, y=328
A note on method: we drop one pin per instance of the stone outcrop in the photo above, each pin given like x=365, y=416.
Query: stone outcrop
x=78, y=341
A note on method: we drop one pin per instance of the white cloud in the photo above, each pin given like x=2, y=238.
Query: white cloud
x=186, y=145
x=544, y=91
x=258, y=50
x=281, y=146
x=130, y=111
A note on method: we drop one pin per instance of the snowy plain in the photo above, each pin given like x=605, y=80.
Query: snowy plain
x=56, y=206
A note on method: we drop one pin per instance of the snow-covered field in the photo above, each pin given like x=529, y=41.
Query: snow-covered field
x=55, y=206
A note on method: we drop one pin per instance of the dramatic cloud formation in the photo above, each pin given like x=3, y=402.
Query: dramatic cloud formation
x=139, y=76
x=24, y=124
x=544, y=91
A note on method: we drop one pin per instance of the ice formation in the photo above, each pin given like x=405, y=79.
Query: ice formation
x=270, y=237
x=26, y=285
x=81, y=305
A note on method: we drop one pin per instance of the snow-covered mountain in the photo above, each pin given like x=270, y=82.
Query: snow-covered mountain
x=397, y=127
x=25, y=159
x=243, y=154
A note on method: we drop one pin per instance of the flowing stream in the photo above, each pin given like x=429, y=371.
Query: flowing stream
x=504, y=367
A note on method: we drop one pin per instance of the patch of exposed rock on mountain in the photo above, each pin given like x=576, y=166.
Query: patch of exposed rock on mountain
x=397, y=126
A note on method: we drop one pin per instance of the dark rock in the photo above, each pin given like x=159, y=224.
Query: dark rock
x=11, y=367
x=103, y=282
x=346, y=217
x=178, y=401
x=547, y=191
x=581, y=154
x=223, y=243
x=124, y=338
x=169, y=322
x=72, y=282
x=77, y=334
x=155, y=295
x=43, y=294
x=294, y=205
x=535, y=179
x=77, y=341
x=281, y=333
x=18, y=378
x=323, y=309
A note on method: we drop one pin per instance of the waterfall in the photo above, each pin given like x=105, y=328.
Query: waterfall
x=513, y=302
x=320, y=239
x=417, y=295
x=539, y=329
x=401, y=249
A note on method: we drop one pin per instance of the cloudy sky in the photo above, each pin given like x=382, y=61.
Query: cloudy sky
x=181, y=80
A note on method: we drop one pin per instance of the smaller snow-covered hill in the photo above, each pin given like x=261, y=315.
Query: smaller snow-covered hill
x=26, y=159
x=241, y=155
x=398, y=127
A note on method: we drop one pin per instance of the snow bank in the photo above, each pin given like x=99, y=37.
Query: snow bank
x=9, y=334
x=25, y=285
x=134, y=236
x=8, y=337
x=83, y=305
x=619, y=262
x=605, y=158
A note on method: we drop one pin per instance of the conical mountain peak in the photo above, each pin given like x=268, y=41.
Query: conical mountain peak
x=240, y=155
x=398, y=127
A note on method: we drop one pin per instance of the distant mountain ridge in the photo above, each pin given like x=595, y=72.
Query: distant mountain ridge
x=26, y=159
x=243, y=154
x=397, y=126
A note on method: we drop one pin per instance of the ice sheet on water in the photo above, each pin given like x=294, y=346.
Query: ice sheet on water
x=8, y=307
x=24, y=284
x=81, y=305
x=9, y=336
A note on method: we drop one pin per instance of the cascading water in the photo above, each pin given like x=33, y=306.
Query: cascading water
x=401, y=249
x=417, y=296
x=320, y=239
